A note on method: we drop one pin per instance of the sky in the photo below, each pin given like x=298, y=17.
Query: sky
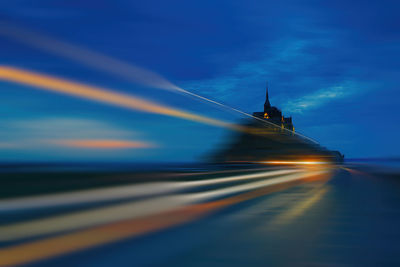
x=331, y=65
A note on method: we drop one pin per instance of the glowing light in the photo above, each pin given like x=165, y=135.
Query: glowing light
x=114, y=231
x=114, y=66
x=102, y=62
x=46, y=82
x=87, y=57
x=134, y=209
x=294, y=162
x=125, y=191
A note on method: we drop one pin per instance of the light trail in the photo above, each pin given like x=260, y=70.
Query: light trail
x=49, y=83
x=87, y=57
x=90, y=218
x=99, y=94
x=203, y=196
x=114, y=66
x=71, y=242
x=243, y=113
x=132, y=209
x=282, y=162
x=299, y=209
x=124, y=191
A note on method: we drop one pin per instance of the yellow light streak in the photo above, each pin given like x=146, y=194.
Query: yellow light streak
x=294, y=162
x=133, y=209
x=111, y=65
x=71, y=242
x=49, y=83
x=300, y=208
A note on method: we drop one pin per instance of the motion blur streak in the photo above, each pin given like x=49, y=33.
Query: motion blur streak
x=131, y=209
x=120, y=192
x=75, y=241
x=103, y=144
x=96, y=60
x=102, y=95
x=356, y=172
x=295, y=162
x=300, y=208
x=99, y=61
x=251, y=186
x=108, y=64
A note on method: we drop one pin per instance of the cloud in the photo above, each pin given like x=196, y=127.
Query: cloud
x=319, y=98
x=271, y=61
x=298, y=76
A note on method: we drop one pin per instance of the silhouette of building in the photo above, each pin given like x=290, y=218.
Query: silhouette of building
x=274, y=115
x=270, y=136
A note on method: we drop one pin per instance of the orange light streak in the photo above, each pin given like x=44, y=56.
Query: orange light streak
x=278, y=162
x=67, y=243
x=49, y=83
x=109, y=64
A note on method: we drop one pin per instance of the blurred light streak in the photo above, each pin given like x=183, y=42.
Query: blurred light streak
x=251, y=186
x=132, y=209
x=102, y=144
x=358, y=173
x=71, y=242
x=58, y=85
x=90, y=218
x=109, y=64
x=241, y=177
x=87, y=57
x=121, y=192
x=279, y=162
x=300, y=208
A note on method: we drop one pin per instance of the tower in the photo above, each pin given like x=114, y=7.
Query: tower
x=274, y=115
x=267, y=104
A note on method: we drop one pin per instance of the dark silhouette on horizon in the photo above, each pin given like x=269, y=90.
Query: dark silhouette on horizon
x=271, y=136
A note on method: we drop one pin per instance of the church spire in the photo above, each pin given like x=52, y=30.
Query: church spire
x=267, y=105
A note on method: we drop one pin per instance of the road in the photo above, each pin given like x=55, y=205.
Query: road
x=336, y=216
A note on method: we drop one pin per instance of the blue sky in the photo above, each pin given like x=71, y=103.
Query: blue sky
x=333, y=66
